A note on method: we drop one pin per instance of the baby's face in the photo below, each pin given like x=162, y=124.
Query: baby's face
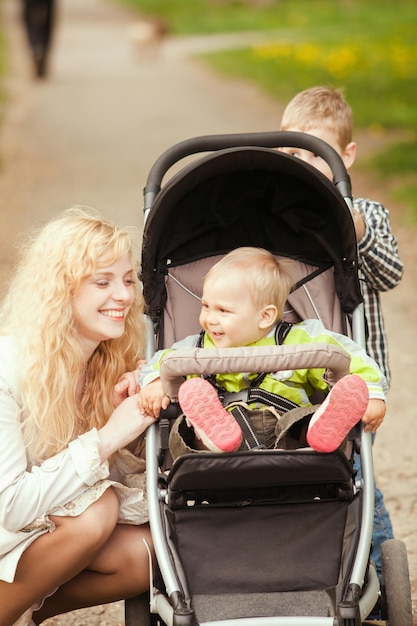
x=228, y=312
x=313, y=159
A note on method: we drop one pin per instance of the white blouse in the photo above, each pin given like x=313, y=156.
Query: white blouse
x=65, y=484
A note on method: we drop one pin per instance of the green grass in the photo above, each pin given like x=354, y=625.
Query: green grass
x=285, y=67
x=340, y=16
x=379, y=81
x=365, y=46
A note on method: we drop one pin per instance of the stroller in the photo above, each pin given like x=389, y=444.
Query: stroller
x=258, y=537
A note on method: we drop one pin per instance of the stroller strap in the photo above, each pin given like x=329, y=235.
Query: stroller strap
x=248, y=430
x=240, y=413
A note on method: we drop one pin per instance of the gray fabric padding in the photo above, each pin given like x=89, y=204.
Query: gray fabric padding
x=314, y=300
x=179, y=363
x=228, y=606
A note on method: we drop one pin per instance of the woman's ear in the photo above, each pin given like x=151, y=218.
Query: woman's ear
x=268, y=316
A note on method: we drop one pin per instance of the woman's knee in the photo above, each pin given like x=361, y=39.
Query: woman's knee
x=133, y=555
x=96, y=524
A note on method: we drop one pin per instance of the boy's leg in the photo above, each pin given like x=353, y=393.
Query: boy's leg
x=382, y=522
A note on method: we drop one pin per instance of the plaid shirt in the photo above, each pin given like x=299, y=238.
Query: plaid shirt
x=381, y=269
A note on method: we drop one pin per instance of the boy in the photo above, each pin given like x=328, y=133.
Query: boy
x=242, y=305
x=324, y=113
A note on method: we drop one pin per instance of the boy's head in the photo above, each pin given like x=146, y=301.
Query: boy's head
x=324, y=113
x=244, y=296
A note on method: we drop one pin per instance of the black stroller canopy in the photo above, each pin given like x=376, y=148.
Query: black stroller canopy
x=249, y=196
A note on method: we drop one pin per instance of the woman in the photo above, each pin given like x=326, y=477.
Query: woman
x=73, y=520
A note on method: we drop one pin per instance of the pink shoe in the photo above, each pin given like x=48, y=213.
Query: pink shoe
x=341, y=410
x=217, y=429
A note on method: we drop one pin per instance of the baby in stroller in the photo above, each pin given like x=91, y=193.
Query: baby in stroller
x=242, y=305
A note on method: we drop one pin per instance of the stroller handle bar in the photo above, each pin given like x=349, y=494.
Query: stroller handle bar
x=203, y=361
x=212, y=143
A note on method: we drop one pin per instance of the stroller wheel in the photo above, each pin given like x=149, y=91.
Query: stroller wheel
x=396, y=590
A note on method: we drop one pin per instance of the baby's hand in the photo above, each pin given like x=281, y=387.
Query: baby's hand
x=127, y=386
x=152, y=399
x=374, y=414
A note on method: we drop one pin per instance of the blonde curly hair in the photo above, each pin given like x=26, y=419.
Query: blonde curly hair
x=37, y=313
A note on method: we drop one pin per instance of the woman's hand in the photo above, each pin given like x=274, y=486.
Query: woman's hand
x=127, y=386
x=125, y=424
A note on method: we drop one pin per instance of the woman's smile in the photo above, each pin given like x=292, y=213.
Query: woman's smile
x=118, y=315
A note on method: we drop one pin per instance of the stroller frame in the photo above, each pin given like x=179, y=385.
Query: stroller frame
x=363, y=588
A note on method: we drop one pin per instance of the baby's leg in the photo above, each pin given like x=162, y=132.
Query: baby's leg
x=343, y=407
x=214, y=427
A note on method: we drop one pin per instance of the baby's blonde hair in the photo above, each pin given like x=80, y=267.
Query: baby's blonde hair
x=37, y=313
x=320, y=107
x=268, y=278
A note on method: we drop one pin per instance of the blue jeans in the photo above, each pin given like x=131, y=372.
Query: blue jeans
x=382, y=521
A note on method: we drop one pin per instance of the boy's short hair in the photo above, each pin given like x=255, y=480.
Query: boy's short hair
x=318, y=107
x=269, y=279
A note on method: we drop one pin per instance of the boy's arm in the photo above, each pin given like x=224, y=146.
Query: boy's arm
x=378, y=248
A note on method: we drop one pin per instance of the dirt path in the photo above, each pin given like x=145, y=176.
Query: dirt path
x=89, y=134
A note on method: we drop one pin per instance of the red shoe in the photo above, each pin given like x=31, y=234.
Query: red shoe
x=341, y=410
x=216, y=428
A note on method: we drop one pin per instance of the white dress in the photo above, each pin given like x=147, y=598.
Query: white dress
x=65, y=484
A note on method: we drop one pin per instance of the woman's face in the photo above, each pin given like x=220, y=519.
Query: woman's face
x=101, y=303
